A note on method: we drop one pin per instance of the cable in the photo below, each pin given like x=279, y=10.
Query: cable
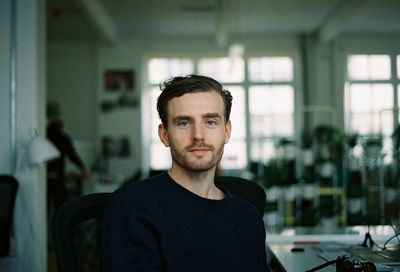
x=345, y=263
x=368, y=237
x=388, y=240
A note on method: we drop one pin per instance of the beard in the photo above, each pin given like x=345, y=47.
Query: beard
x=197, y=164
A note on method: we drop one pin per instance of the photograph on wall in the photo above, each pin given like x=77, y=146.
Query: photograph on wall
x=118, y=80
x=122, y=101
x=116, y=147
x=107, y=106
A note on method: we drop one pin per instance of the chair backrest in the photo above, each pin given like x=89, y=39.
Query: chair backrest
x=248, y=190
x=8, y=193
x=77, y=224
x=76, y=233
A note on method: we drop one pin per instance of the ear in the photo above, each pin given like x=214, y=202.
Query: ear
x=228, y=130
x=163, y=134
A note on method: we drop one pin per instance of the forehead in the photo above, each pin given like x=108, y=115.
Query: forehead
x=192, y=104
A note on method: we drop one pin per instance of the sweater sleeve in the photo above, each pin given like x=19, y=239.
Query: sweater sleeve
x=70, y=151
x=129, y=239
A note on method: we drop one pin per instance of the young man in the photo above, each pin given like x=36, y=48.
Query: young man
x=180, y=220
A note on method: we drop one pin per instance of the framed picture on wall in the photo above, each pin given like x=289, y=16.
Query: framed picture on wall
x=119, y=80
x=113, y=146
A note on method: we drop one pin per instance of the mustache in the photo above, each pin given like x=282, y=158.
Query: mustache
x=199, y=145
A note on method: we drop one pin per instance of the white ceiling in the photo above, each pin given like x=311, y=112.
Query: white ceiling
x=113, y=19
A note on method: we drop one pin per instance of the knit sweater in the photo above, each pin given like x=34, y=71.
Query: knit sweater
x=158, y=225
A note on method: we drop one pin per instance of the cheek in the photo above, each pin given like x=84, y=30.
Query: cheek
x=218, y=138
x=179, y=137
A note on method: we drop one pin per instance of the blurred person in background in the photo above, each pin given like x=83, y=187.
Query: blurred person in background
x=56, y=184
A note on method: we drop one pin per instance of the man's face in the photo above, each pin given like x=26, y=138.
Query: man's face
x=196, y=131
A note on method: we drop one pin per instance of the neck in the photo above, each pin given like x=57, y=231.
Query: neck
x=199, y=183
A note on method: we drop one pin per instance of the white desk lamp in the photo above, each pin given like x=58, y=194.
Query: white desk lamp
x=40, y=150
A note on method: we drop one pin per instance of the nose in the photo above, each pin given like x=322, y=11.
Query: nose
x=198, y=132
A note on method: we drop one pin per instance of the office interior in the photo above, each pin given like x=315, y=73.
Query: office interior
x=315, y=84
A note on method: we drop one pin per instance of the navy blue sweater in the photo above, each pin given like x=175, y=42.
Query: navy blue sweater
x=158, y=225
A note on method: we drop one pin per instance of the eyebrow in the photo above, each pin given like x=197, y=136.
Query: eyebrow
x=189, y=118
x=212, y=115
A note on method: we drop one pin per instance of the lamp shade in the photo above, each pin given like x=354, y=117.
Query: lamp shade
x=41, y=150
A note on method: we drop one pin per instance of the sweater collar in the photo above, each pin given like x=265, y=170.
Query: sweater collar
x=195, y=199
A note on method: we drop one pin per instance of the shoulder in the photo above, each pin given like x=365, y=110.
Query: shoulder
x=246, y=210
x=136, y=196
x=134, y=201
x=140, y=190
x=245, y=205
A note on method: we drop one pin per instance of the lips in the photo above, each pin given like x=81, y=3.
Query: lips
x=199, y=151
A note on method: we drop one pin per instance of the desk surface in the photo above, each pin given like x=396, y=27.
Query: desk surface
x=303, y=260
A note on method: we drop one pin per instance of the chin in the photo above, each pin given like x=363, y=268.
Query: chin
x=199, y=167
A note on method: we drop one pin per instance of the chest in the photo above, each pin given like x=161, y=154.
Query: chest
x=208, y=241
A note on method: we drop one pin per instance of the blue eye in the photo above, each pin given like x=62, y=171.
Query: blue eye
x=211, y=122
x=183, y=124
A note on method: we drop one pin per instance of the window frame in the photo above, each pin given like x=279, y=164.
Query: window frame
x=394, y=81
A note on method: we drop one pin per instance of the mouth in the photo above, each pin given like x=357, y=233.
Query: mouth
x=199, y=151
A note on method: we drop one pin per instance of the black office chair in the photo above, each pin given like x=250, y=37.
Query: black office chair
x=76, y=233
x=248, y=190
x=76, y=225
x=8, y=193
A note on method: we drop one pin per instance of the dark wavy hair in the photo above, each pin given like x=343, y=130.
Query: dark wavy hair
x=178, y=86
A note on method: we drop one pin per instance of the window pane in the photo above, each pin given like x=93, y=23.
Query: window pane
x=234, y=155
x=360, y=123
x=262, y=150
x=398, y=66
x=267, y=69
x=398, y=102
x=160, y=156
x=271, y=100
x=271, y=110
x=370, y=107
x=386, y=122
x=370, y=97
x=161, y=68
x=367, y=67
x=223, y=69
x=272, y=125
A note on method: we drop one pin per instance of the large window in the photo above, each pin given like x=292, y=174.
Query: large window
x=271, y=103
x=262, y=111
x=372, y=97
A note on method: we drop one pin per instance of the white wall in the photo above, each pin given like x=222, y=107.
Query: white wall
x=6, y=158
x=71, y=81
x=30, y=247
x=123, y=121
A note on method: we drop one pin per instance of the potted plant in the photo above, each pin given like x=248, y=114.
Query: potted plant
x=330, y=141
x=372, y=146
x=352, y=140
